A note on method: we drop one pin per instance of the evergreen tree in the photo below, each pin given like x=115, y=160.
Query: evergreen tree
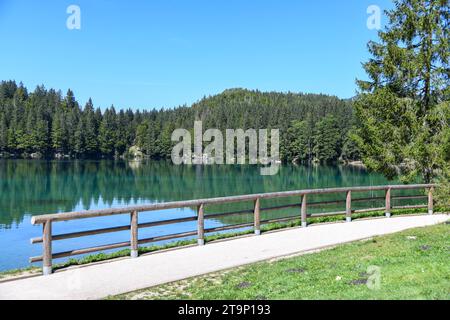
x=141, y=134
x=122, y=142
x=46, y=122
x=90, y=130
x=297, y=146
x=401, y=108
x=165, y=142
x=108, y=132
x=327, y=141
x=7, y=89
x=79, y=139
x=69, y=102
x=350, y=150
x=59, y=133
x=3, y=134
x=150, y=140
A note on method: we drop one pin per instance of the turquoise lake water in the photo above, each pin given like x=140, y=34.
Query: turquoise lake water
x=30, y=188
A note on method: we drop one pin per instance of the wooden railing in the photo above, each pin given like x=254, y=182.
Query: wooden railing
x=48, y=219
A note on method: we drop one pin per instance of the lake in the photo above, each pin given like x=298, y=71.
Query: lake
x=33, y=187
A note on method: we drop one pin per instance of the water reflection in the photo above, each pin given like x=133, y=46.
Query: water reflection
x=39, y=187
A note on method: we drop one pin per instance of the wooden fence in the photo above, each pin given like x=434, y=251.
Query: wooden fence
x=48, y=219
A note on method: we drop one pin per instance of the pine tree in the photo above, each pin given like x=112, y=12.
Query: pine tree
x=70, y=101
x=91, y=130
x=46, y=121
x=107, y=132
x=141, y=134
x=59, y=133
x=297, y=142
x=165, y=143
x=327, y=140
x=41, y=134
x=350, y=150
x=400, y=123
x=79, y=139
x=3, y=134
x=121, y=143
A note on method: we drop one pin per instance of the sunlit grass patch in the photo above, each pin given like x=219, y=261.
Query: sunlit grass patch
x=414, y=264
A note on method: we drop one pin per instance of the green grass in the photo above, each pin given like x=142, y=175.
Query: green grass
x=19, y=272
x=413, y=264
x=98, y=257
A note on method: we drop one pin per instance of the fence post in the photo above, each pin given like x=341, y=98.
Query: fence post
x=303, y=212
x=257, y=226
x=134, y=234
x=348, y=207
x=430, y=201
x=200, y=225
x=47, y=247
x=388, y=203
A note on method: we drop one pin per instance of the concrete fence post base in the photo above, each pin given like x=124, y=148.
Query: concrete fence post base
x=258, y=232
x=201, y=242
x=46, y=270
x=134, y=253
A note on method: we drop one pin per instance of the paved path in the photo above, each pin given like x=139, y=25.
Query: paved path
x=101, y=280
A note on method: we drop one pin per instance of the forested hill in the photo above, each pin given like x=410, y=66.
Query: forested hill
x=49, y=124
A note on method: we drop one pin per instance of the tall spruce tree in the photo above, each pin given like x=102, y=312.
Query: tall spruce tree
x=402, y=107
x=90, y=130
x=59, y=133
x=108, y=132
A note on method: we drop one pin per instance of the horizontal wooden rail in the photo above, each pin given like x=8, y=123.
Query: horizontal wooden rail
x=194, y=203
x=114, y=229
x=303, y=204
x=224, y=214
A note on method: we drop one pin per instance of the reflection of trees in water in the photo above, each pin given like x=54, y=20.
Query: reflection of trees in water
x=38, y=187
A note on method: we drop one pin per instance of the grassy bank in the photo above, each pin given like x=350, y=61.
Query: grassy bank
x=414, y=264
x=213, y=237
x=11, y=274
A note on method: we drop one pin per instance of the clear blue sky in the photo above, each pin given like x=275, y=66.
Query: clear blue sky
x=163, y=53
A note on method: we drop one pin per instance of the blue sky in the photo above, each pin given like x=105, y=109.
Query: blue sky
x=164, y=53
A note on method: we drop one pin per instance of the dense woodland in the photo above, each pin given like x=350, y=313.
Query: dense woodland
x=46, y=123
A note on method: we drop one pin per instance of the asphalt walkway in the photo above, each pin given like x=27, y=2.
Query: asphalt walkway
x=120, y=276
